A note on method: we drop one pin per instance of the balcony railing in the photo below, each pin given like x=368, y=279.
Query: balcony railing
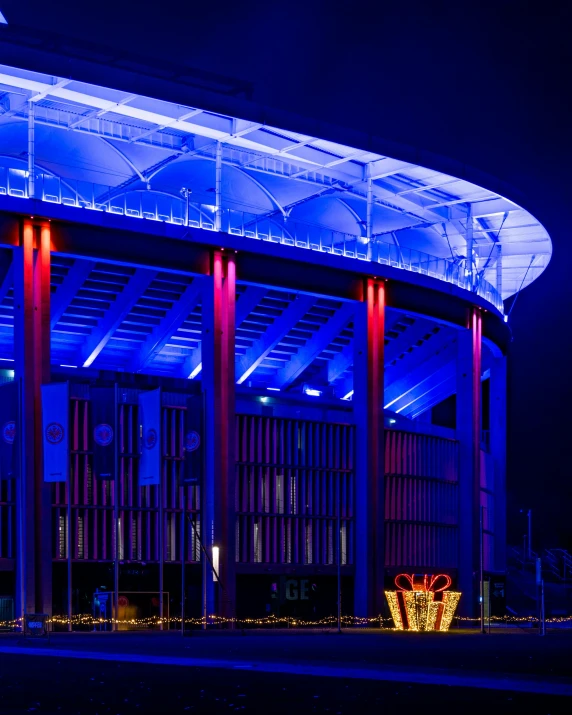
x=169, y=208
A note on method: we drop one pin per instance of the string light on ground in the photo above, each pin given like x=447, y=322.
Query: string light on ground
x=274, y=621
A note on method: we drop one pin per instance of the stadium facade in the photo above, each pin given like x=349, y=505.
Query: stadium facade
x=241, y=351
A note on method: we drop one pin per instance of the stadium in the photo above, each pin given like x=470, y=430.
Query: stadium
x=245, y=357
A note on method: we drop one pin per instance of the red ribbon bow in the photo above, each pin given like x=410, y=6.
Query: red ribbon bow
x=423, y=582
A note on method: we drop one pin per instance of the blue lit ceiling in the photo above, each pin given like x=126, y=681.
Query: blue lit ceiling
x=106, y=316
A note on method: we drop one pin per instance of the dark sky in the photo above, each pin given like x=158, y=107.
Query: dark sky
x=486, y=83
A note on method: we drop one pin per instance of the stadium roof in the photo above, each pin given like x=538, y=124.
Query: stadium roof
x=99, y=147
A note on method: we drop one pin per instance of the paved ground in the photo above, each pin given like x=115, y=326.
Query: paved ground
x=351, y=673
x=512, y=651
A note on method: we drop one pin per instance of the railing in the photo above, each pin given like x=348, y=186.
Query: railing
x=169, y=208
x=560, y=563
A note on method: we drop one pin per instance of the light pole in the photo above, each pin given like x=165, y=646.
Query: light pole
x=527, y=553
x=185, y=193
x=482, y=569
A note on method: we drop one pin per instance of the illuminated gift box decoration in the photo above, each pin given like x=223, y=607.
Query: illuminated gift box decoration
x=422, y=602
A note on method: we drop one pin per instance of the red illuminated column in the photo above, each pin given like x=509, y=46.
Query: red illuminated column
x=32, y=368
x=497, y=421
x=369, y=332
x=218, y=385
x=469, y=426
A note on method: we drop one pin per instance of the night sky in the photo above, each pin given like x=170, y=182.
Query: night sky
x=485, y=83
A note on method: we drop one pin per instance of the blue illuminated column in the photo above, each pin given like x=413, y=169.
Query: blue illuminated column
x=469, y=399
x=369, y=454
x=32, y=368
x=497, y=422
x=218, y=500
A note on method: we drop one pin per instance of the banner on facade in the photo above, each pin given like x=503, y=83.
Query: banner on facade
x=103, y=431
x=55, y=431
x=193, y=443
x=9, y=437
x=150, y=437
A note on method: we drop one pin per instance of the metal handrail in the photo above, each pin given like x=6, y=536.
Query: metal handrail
x=178, y=210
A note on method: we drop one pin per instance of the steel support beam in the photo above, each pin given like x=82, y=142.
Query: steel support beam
x=470, y=247
x=246, y=364
x=416, y=376
x=218, y=187
x=405, y=396
x=316, y=345
x=67, y=291
x=469, y=437
x=369, y=219
x=172, y=321
x=116, y=314
x=340, y=363
x=32, y=368
x=31, y=151
x=218, y=515
x=499, y=269
x=249, y=299
x=442, y=385
x=433, y=397
x=368, y=415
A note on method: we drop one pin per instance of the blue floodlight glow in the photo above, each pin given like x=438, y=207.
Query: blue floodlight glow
x=196, y=371
x=312, y=392
x=273, y=389
x=263, y=399
x=74, y=366
x=348, y=396
x=392, y=421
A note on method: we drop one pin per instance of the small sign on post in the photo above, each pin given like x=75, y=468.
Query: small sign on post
x=36, y=625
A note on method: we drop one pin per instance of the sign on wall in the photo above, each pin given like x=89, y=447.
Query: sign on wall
x=103, y=431
x=55, y=431
x=193, y=442
x=9, y=430
x=150, y=437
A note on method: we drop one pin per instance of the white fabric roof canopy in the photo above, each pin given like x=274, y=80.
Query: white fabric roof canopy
x=108, y=137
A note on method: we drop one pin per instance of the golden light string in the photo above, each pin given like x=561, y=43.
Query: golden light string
x=90, y=620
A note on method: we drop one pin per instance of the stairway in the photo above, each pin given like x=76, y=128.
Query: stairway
x=522, y=590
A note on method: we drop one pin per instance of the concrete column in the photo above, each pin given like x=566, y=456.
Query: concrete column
x=218, y=385
x=369, y=331
x=497, y=420
x=469, y=425
x=32, y=369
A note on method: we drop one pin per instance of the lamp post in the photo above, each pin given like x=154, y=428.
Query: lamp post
x=185, y=193
x=527, y=553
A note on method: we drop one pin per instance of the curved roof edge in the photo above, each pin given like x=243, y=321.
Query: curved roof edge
x=83, y=62
x=70, y=61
